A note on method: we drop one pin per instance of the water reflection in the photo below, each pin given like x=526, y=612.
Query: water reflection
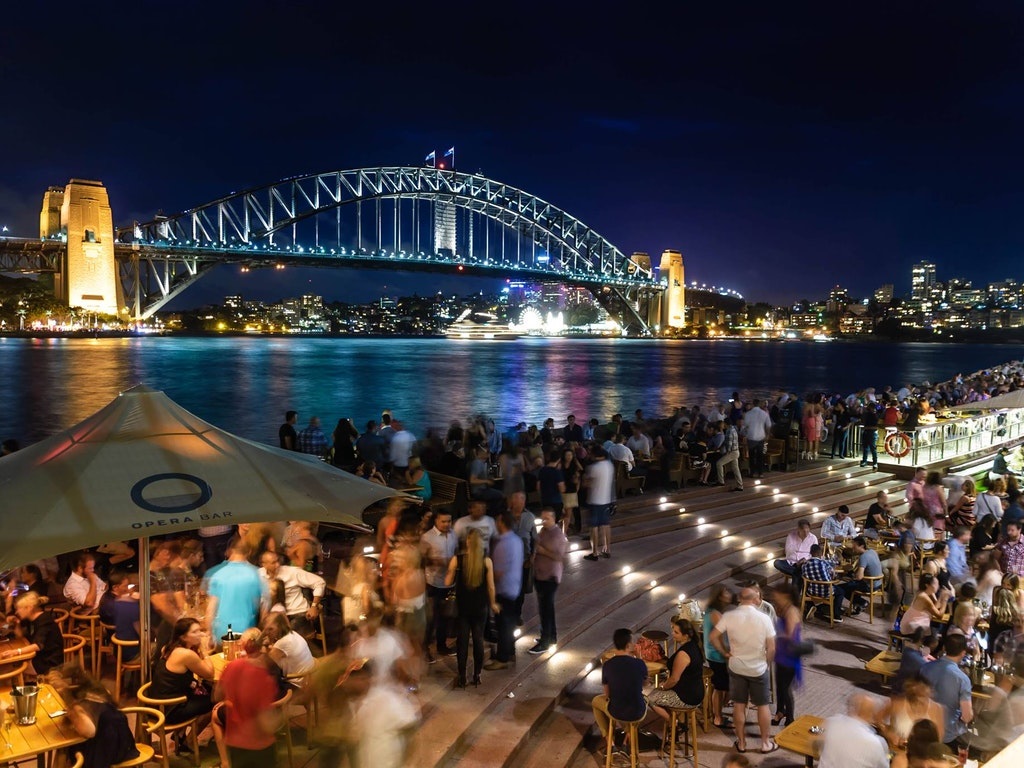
x=246, y=384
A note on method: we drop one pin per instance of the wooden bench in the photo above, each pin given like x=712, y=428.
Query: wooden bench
x=449, y=493
x=624, y=482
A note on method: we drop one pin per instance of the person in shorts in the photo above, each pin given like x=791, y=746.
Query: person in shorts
x=750, y=647
x=599, y=482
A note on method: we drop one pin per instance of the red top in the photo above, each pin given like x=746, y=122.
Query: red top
x=249, y=690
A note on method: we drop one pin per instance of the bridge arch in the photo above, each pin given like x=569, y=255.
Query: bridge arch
x=569, y=246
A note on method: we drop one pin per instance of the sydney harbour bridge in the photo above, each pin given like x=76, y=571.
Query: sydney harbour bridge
x=396, y=218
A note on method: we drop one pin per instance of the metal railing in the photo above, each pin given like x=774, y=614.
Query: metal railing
x=949, y=438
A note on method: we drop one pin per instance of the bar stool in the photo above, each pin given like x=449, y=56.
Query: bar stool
x=657, y=636
x=151, y=721
x=187, y=725
x=89, y=621
x=632, y=728
x=74, y=644
x=705, y=706
x=121, y=666
x=690, y=713
x=14, y=676
x=106, y=648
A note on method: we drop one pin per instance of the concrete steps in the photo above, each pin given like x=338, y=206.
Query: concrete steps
x=499, y=722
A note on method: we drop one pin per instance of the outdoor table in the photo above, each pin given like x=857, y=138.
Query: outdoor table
x=48, y=733
x=797, y=737
x=886, y=664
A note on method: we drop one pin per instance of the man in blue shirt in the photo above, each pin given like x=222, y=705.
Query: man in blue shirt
x=956, y=556
x=507, y=559
x=236, y=592
x=868, y=564
x=951, y=687
x=622, y=677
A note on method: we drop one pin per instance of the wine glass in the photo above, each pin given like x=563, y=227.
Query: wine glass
x=8, y=722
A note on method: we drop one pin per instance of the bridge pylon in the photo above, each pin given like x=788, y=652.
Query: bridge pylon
x=80, y=213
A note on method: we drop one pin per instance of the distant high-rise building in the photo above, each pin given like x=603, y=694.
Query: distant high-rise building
x=1005, y=293
x=884, y=294
x=234, y=302
x=922, y=280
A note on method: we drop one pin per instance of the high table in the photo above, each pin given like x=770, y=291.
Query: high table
x=49, y=733
x=797, y=737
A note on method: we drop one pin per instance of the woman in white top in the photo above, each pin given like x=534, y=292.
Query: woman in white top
x=288, y=649
x=990, y=575
x=992, y=502
x=922, y=524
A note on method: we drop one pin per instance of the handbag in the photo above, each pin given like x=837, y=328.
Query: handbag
x=450, y=605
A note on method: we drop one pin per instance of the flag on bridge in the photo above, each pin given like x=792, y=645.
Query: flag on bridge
x=450, y=152
x=431, y=158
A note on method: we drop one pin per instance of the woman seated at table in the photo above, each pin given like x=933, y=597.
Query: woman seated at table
x=962, y=511
x=95, y=717
x=964, y=618
x=42, y=633
x=897, y=717
x=936, y=565
x=181, y=662
x=984, y=535
x=684, y=688
x=901, y=567
x=288, y=649
x=929, y=607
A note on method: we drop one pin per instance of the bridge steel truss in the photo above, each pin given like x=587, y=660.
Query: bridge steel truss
x=160, y=258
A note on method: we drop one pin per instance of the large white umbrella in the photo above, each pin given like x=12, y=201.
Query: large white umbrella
x=143, y=465
x=1006, y=400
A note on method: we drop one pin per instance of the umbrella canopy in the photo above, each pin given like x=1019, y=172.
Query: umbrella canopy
x=143, y=465
x=1013, y=399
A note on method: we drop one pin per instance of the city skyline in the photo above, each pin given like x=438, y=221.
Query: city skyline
x=769, y=150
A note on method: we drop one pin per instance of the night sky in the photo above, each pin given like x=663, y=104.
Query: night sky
x=781, y=146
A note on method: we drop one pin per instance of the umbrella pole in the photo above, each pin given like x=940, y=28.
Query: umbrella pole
x=144, y=615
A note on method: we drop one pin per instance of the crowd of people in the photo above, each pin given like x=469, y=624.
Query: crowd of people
x=430, y=586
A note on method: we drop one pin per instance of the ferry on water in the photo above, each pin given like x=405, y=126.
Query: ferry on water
x=481, y=325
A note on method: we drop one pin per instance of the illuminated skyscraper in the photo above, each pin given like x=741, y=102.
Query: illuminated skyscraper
x=922, y=280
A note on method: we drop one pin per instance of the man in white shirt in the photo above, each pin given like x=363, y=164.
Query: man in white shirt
x=599, y=482
x=639, y=443
x=304, y=617
x=750, y=653
x=839, y=526
x=84, y=588
x=798, y=549
x=438, y=547
x=618, y=451
x=479, y=519
x=402, y=443
x=850, y=741
x=758, y=426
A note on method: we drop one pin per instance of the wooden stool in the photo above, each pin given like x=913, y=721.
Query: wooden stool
x=657, y=636
x=321, y=635
x=151, y=721
x=90, y=623
x=74, y=644
x=632, y=728
x=14, y=676
x=705, y=706
x=106, y=648
x=121, y=666
x=160, y=704
x=311, y=704
x=79, y=761
x=282, y=706
x=690, y=713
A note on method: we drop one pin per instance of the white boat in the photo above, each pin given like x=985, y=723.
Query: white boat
x=473, y=324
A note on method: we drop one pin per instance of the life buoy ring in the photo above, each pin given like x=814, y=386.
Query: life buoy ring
x=897, y=444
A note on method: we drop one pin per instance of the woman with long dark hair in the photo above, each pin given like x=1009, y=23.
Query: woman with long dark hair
x=472, y=575
x=344, y=437
x=684, y=687
x=183, y=669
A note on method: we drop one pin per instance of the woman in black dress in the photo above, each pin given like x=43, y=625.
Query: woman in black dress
x=183, y=669
x=95, y=717
x=472, y=575
x=684, y=688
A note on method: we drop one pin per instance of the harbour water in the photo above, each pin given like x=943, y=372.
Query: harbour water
x=245, y=384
